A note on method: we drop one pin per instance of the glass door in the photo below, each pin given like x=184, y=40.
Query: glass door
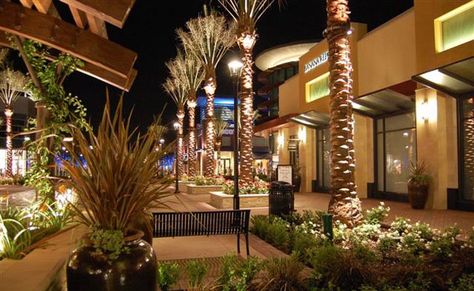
x=322, y=160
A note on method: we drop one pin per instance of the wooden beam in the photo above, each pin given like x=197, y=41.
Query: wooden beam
x=42, y=5
x=115, y=13
x=79, y=17
x=97, y=25
x=27, y=3
x=91, y=70
x=67, y=38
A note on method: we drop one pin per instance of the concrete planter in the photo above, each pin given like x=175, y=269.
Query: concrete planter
x=182, y=185
x=43, y=267
x=204, y=189
x=224, y=201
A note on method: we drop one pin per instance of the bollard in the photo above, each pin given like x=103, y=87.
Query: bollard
x=327, y=225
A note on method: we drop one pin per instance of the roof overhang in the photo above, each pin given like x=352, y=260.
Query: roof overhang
x=456, y=80
x=282, y=54
x=386, y=101
x=312, y=119
x=275, y=123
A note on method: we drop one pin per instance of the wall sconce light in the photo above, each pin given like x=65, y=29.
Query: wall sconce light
x=424, y=110
x=302, y=134
x=281, y=140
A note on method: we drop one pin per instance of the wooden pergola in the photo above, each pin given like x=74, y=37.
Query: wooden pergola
x=87, y=39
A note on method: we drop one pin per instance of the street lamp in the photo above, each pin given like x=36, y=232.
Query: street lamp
x=234, y=70
x=176, y=173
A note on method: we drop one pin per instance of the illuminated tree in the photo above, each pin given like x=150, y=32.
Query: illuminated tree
x=12, y=85
x=220, y=126
x=245, y=14
x=208, y=38
x=177, y=92
x=344, y=204
x=189, y=72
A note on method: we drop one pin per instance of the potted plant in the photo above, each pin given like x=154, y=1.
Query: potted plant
x=418, y=185
x=113, y=173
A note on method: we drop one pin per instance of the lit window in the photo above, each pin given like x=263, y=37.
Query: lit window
x=317, y=88
x=455, y=27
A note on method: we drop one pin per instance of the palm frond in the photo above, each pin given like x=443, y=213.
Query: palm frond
x=208, y=38
x=247, y=12
x=13, y=84
x=176, y=90
x=188, y=71
x=220, y=126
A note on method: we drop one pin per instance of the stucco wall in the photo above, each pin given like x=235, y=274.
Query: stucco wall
x=387, y=55
x=289, y=93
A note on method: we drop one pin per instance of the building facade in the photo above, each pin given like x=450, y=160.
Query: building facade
x=413, y=102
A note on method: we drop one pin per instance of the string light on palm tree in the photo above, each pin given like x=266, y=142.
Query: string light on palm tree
x=344, y=203
x=245, y=14
x=208, y=38
x=13, y=85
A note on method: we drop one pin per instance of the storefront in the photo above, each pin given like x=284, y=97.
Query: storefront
x=413, y=85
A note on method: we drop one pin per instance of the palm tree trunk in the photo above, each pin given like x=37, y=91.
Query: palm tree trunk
x=344, y=204
x=246, y=108
x=180, y=152
x=192, y=138
x=9, y=145
x=209, y=162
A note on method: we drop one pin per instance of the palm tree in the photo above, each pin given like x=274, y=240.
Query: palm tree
x=208, y=38
x=220, y=126
x=188, y=70
x=12, y=86
x=344, y=204
x=245, y=14
x=177, y=92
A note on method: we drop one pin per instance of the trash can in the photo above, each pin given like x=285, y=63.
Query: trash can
x=281, y=198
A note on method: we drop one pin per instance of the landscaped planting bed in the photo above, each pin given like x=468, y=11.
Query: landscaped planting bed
x=373, y=255
x=220, y=200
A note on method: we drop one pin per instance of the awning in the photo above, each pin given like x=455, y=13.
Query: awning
x=274, y=123
x=383, y=102
x=456, y=80
x=312, y=119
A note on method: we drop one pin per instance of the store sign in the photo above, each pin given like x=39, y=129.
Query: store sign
x=314, y=63
x=285, y=173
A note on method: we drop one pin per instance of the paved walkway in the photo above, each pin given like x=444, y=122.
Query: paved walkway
x=216, y=246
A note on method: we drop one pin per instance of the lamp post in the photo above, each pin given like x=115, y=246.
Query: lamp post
x=234, y=70
x=176, y=170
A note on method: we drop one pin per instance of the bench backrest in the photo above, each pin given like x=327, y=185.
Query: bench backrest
x=169, y=224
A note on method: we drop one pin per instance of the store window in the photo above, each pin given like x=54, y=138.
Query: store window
x=317, y=88
x=396, y=149
x=455, y=27
x=322, y=158
x=467, y=151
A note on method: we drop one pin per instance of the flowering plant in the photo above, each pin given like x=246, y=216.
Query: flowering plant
x=202, y=180
x=258, y=186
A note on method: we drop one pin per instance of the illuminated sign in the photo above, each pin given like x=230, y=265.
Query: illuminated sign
x=314, y=63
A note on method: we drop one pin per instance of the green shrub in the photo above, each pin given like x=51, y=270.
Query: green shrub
x=236, y=274
x=14, y=238
x=377, y=215
x=464, y=283
x=443, y=246
x=281, y=274
x=167, y=275
x=335, y=267
x=272, y=229
x=196, y=271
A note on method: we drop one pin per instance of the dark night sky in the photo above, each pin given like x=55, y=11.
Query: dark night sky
x=150, y=32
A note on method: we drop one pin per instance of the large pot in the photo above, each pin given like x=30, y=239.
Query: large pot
x=134, y=270
x=417, y=195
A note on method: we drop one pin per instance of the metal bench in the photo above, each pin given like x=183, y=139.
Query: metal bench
x=171, y=224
